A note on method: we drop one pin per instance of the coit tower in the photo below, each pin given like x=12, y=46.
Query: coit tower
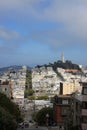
x=62, y=58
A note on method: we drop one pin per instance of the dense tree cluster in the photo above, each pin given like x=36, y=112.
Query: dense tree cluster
x=10, y=114
x=44, y=97
x=28, y=84
x=66, y=65
x=59, y=64
x=41, y=118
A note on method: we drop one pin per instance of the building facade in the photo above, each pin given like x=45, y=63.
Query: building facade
x=84, y=106
x=62, y=110
x=5, y=87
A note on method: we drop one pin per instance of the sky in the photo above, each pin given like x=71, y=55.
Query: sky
x=37, y=32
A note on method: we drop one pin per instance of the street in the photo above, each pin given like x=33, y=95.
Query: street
x=33, y=128
x=28, y=111
x=39, y=128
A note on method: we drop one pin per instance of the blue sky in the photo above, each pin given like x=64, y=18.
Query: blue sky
x=36, y=32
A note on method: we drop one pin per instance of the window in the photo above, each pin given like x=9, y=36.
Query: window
x=76, y=106
x=84, y=119
x=84, y=90
x=65, y=101
x=84, y=105
x=65, y=110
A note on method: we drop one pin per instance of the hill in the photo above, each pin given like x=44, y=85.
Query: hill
x=11, y=69
x=59, y=64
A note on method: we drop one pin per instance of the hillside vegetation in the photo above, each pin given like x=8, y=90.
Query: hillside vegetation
x=10, y=114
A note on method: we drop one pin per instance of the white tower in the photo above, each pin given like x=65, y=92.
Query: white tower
x=62, y=58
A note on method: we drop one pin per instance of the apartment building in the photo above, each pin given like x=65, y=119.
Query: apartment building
x=5, y=87
x=79, y=106
x=69, y=87
x=76, y=108
x=84, y=107
x=62, y=110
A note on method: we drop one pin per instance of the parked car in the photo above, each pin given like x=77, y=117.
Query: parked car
x=31, y=123
x=26, y=125
x=23, y=125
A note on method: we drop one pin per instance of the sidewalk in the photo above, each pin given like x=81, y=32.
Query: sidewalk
x=55, y=128
x=52, y=127
x=46, y=128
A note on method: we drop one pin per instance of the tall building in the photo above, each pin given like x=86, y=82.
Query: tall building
x=79, y=107
x=62, y=58
x=84, y=106
x=67, y=88
x=61, y=111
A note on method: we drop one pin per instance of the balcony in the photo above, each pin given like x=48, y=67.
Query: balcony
x=84, y=112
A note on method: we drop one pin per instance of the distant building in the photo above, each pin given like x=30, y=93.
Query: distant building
x=74, y=71
x=67, y=88
x=5, y=87
x=24, y=68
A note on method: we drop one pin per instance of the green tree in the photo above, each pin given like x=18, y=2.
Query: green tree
x=7, y=121
x=44, y=97
x=41, y=115
x=31, y=97
x=28, y=92
x=28, y=84
x=11, y=107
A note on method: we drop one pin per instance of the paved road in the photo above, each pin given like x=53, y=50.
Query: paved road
x=40, y=128
x=34, y=128
x=28, y=116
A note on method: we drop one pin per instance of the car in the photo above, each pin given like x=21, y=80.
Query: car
x=26, y=125
x=23, y=125
x=20, y=125
x=30, y=121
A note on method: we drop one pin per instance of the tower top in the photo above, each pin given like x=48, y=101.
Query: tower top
x=62, y=58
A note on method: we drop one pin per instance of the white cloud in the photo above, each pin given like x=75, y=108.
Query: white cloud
x=6, y=34
x=10, y=40
x=72, y=14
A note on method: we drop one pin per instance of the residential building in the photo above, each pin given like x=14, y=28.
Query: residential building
x=62, y=110
x=84, y=106
x=5, y=87
x=80, y=108
x=67, y=87
x=76, y=108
